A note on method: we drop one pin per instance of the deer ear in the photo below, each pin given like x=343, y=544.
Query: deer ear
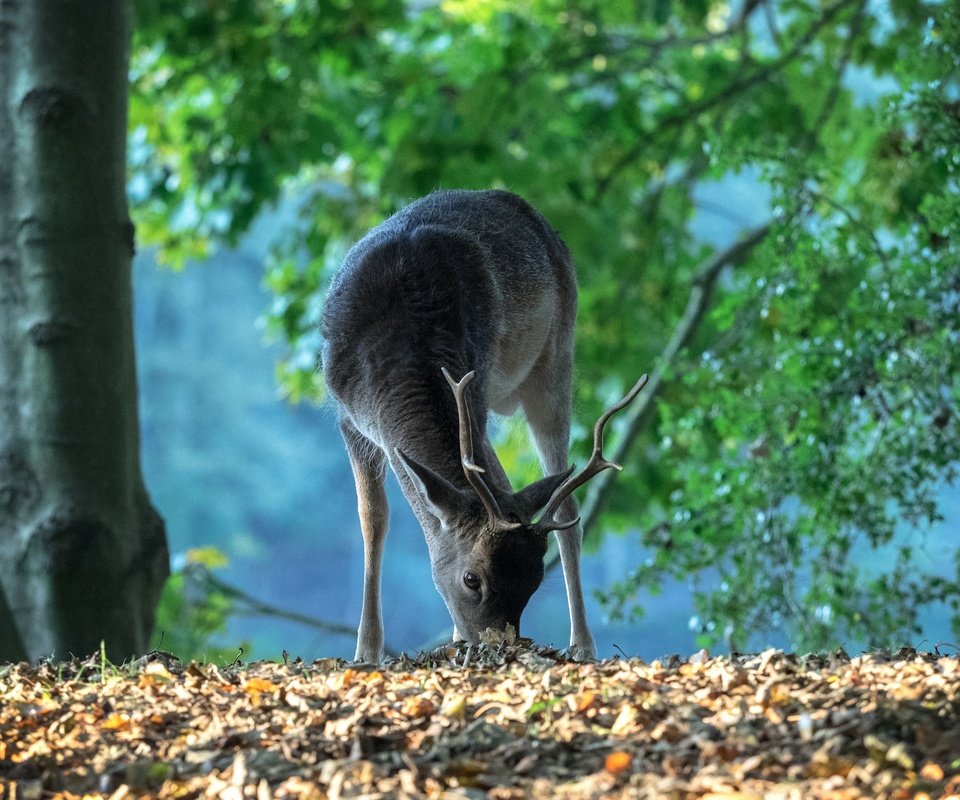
x=535, y=496
x=442, y=498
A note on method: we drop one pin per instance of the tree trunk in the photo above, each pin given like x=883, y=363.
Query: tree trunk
x=83, y=554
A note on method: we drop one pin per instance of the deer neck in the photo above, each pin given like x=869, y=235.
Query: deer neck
x=421, y=420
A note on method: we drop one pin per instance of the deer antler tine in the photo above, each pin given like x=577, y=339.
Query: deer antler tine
x=627, y=399
x=463, y=414
x=562, y=526
x=471, y=470
x=595, y=465
x=455, y=385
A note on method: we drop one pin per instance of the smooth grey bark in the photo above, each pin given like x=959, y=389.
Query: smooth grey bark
x=83, y=554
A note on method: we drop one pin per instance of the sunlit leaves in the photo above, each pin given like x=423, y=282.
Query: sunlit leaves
x=791, y=472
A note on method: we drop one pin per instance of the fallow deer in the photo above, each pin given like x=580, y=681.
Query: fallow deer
x=478, y=286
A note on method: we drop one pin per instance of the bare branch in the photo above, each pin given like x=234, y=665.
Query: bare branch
x=253, y=606
x=771, y=19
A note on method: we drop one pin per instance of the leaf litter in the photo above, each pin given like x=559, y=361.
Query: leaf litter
x=505, y=719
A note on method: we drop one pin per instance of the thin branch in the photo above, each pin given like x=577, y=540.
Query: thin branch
x=697, y=304
x=764, y=72
x=721, y=210
x=623, y=44
x=729, y=92
x=830, y=100
x=856, y=222
x=770, y=16
x=253, y=607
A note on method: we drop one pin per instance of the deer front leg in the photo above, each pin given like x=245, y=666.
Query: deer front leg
x=368, y=464
x=548, y=414
x=582, y=646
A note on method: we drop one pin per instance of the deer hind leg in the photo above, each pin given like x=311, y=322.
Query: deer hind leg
x=547, y=405
x=369, y=473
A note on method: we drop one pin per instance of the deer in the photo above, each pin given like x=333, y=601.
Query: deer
x=459, y=304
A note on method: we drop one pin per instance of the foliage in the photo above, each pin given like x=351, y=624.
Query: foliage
x=804, y=432
x=193, y=612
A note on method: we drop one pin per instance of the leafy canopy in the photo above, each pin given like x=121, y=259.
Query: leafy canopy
x=803, y=430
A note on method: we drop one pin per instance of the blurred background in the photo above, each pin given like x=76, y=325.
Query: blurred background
x=762, y=202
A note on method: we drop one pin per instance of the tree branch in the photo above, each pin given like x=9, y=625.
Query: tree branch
x=729, y=92
x=252, y=606
x=830, y=100
x=701, y=286
x=772, y=29
x=623, y=44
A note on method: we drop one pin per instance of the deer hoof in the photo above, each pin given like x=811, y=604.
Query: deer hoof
x=369, y=651
x=368, y=658
x=582, y=652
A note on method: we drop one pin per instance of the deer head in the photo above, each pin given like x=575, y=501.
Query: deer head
x=490, y=557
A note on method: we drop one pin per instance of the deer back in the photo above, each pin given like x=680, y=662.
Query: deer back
x=462, y=280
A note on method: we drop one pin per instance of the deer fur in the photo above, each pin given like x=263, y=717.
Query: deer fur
x=471, y=282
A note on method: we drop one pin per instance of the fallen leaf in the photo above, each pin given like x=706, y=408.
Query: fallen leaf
x=454, y=706
x=259, y=685
x=494, y=637
x=585, y=700
x=116, y=722
x=417, y=707
x=626, y=720
x=822, y=726
x=618, y=761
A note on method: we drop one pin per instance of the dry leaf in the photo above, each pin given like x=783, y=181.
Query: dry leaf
x=258, y=685
x=626, y=720
x=494, y=637
x=768, y=725
x=585, y=700
x=417, y=707
x=618, y=761
x=454, y=706
x=931, y=772
x=116, y=722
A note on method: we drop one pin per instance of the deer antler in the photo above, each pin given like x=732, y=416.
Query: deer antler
x=470, y=469
x=595, y=465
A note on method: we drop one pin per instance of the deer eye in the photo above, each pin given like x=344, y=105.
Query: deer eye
x=471, y=581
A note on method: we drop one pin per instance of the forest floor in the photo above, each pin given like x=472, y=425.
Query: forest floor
x=500, y=721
